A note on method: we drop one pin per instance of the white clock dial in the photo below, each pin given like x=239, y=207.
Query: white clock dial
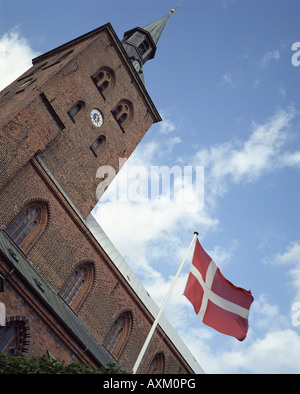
x=136, y=65
x=96, y=117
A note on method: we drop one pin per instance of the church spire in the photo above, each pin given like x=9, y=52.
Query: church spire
x=141, y=43
x=156, y=28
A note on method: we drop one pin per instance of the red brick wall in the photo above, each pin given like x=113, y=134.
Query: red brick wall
x=27, y=126
x=44, y=332
x=65, y=243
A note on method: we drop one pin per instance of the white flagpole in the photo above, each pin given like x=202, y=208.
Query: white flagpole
x=151, y=332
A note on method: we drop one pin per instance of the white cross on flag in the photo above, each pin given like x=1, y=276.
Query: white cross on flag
x=217, y=302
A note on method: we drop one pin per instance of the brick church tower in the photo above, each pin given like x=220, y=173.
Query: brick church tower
x=66, y=290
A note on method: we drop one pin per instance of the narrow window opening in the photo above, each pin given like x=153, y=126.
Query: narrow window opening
x=122, y=118
x=73, y=285
x=26, y=82
x=50, y=65
x=118, y=334
x=76, y=109
x=123, y=113
x=9, y=340
x=60, y=59
x=52, y=111
x=25, y=77
x=65, y=55
x=144, y=46
x=104, y=79
x=24, y=224
x=103, y=86
x=29, y=224
x=78, y=285
x=100, y=142
x=14, y=337
x=99, y=77
x=117, y=110
x=157, y=364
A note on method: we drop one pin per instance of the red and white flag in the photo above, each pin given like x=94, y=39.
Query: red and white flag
x=217, y=302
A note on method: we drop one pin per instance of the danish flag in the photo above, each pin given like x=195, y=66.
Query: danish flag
x=217, y=302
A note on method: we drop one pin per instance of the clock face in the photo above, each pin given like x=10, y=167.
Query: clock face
x=136, y=65
x=96, y=117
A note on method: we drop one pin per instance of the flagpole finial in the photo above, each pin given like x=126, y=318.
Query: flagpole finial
x=196, y=232
x=172, y=11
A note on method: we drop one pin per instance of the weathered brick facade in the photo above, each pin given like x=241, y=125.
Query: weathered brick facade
x=42, y=332
x=34, y=114
x=48, y=159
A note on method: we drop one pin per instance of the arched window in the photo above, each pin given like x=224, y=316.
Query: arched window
x=13, y=337
x=104, y=79
x=29, y=224
x=123, y=113
x=118, y=334
x=143, y=47
x=78, y=285
x=100, y=142
x=75, y=109
x=157, y=364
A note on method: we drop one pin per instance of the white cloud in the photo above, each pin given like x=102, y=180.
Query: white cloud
x=277, y=352
x=172, y=142
x=246, y=161
x=223, y=256
x=266, y=316
x=230, y=162
x=152, y=229
x=232, y=79
x=269, y=56
x=291, y=258
x=291, y=159
x=227, y=78
x=156, y=232
x=167, y=126
x=15, y=56
x=271, y=345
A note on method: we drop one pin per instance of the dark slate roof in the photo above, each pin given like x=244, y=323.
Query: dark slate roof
x=156, y=28
x=54, y=303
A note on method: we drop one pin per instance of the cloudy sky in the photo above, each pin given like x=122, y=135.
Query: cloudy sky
x=226, y=81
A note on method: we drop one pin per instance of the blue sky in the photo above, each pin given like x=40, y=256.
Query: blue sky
x=227, y=90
